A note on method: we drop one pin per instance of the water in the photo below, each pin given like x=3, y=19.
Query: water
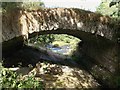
x=62, y=50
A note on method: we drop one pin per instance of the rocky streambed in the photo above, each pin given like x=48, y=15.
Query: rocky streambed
x=55, y=70
x=60, y=76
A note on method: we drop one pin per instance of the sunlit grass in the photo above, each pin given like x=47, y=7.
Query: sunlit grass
x=59, y=43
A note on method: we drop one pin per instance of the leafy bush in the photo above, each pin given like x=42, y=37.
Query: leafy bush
x=110, y=8
x=32, y=5
x=42, y=39
x=10, y=79
x=11, y=6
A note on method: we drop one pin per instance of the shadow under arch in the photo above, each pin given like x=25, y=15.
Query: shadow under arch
x=96, y=55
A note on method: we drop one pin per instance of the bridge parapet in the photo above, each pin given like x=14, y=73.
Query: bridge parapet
x=27, y=22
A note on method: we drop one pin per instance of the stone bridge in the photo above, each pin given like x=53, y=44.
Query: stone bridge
x=99, y=34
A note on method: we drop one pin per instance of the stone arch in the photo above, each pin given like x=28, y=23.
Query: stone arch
x=99, y=33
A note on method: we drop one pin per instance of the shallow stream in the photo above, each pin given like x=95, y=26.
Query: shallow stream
x=62, y=50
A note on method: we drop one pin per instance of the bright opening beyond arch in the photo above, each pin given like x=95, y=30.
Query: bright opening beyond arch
x=58, y=43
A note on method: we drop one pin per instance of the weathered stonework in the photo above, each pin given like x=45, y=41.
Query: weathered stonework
x=27, y=22
x=99, y=33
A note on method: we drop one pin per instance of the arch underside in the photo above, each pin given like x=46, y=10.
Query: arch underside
x=102, y=53
x=84, y=36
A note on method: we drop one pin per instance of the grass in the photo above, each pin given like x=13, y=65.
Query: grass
x=59, y=43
